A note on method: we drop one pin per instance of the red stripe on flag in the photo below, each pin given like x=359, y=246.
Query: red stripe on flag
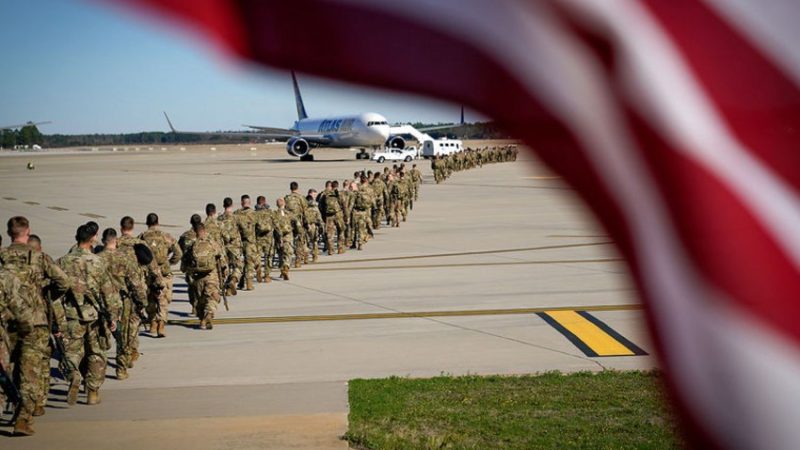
x=760, y=104
x=218, y=19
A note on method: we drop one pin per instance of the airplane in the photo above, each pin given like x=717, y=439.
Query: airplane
x=365, y=130
x=27, y=124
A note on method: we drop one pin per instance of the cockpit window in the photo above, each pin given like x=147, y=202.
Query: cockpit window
x=377, y=122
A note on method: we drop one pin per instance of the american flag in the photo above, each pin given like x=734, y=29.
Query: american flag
x=675, y=120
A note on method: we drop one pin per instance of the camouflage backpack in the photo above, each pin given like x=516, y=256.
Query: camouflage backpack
x=158, y=244
x=293, y=203
x=204, y=258
x=332, y=206
x=362, y=201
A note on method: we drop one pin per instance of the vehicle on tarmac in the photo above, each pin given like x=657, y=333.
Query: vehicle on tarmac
x=436, y=147
x=395, y=154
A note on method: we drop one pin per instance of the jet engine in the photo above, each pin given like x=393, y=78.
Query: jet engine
x=396, y=142
x=297, y=147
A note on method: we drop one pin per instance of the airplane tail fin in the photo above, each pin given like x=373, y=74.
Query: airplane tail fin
x=169, y=122
x=301, y=109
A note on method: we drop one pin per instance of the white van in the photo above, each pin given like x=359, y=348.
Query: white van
x=438, y=147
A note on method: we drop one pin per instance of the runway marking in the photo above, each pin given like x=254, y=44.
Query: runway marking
x=478, y=252
x=439, y=266
x=591, y=335
x=92, y=216
x=32, y=203
x=403, y=315
x=9, y=198
x=541, y=178
x=57, y=208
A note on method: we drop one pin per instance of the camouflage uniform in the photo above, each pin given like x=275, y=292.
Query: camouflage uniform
x=314, y=227
x=206, y=281
x=378, y=214
x=34, y=270
x=246, y=224
x=185, y=243
x=233, y=246
x=334, y=224
x=296, y=205
x=87, y=329
x=346, y=202
x=166, y=252
x=15, y=299
x=416, y=177
x=361, y=208
x=284, y=228
x=153, y=280
x=265, y=243
x=127, y=279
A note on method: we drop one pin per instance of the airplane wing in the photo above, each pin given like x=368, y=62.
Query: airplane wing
x=441, y=127
x=27, y=124
x=269, y=133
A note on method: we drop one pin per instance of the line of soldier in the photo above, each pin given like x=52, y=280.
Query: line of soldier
x=444, y=165
x=232, y=250
x=72, y=308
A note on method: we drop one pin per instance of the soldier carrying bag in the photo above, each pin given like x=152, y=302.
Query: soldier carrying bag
x=203, y=257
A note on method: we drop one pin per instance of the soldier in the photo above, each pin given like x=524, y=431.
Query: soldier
x=246, y=223
x=285, y=234
x=212, y=224
x=206, y=264
x=378, y=213
x=345, y=201
x=416, y=177
x=166, y=252
x=366, y=190
x=90, y=321
x=33, y=270
x=232, y=240
x=185, y=242
x=296, y=205
x=361, y=206
x=15, y=299
x=314, y=226
x=265, y=240
x=127, y=278
x=151, y=273
x=334, y=225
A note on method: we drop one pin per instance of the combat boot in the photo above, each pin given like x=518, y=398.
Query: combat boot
x=93, y=397
x=248, y=284
x=297, y=263
x=330, y=251
x=259, y=278
x=122, y=373
x=22, y=427
x=341, y=250
x=38, y=411
x=208, y=320
x=231, y=290
x=161, y=329
x=203, y=324
x=267, y=278
x=285, y=274
x=153, y=328
x=315, y=258
x=72, y=394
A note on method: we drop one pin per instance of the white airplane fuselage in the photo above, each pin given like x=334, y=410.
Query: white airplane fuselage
x=357, y=130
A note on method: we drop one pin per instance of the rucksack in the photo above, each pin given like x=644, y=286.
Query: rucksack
x=204, y=258
x=293, y=203
x=362, y=201
x=332, y=206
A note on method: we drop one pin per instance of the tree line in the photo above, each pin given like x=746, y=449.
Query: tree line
x=30, y=135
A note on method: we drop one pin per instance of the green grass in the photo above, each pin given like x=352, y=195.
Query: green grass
x=606, y=410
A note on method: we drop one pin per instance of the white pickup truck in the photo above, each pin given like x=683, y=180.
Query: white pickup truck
x=395, y=154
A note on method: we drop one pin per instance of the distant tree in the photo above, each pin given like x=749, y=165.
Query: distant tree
x=8, y=139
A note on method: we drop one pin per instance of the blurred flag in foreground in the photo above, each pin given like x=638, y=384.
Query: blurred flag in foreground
x=677, y=121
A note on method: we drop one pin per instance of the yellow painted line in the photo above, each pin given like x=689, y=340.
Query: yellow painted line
x=404, y=315
x=464, y=265
x=595, y=338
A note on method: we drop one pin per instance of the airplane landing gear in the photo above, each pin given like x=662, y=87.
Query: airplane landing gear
x=307, y=157
x=362, y=154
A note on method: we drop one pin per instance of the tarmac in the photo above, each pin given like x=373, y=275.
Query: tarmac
x=463, y=287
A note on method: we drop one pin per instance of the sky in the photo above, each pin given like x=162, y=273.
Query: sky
x=92, y=68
